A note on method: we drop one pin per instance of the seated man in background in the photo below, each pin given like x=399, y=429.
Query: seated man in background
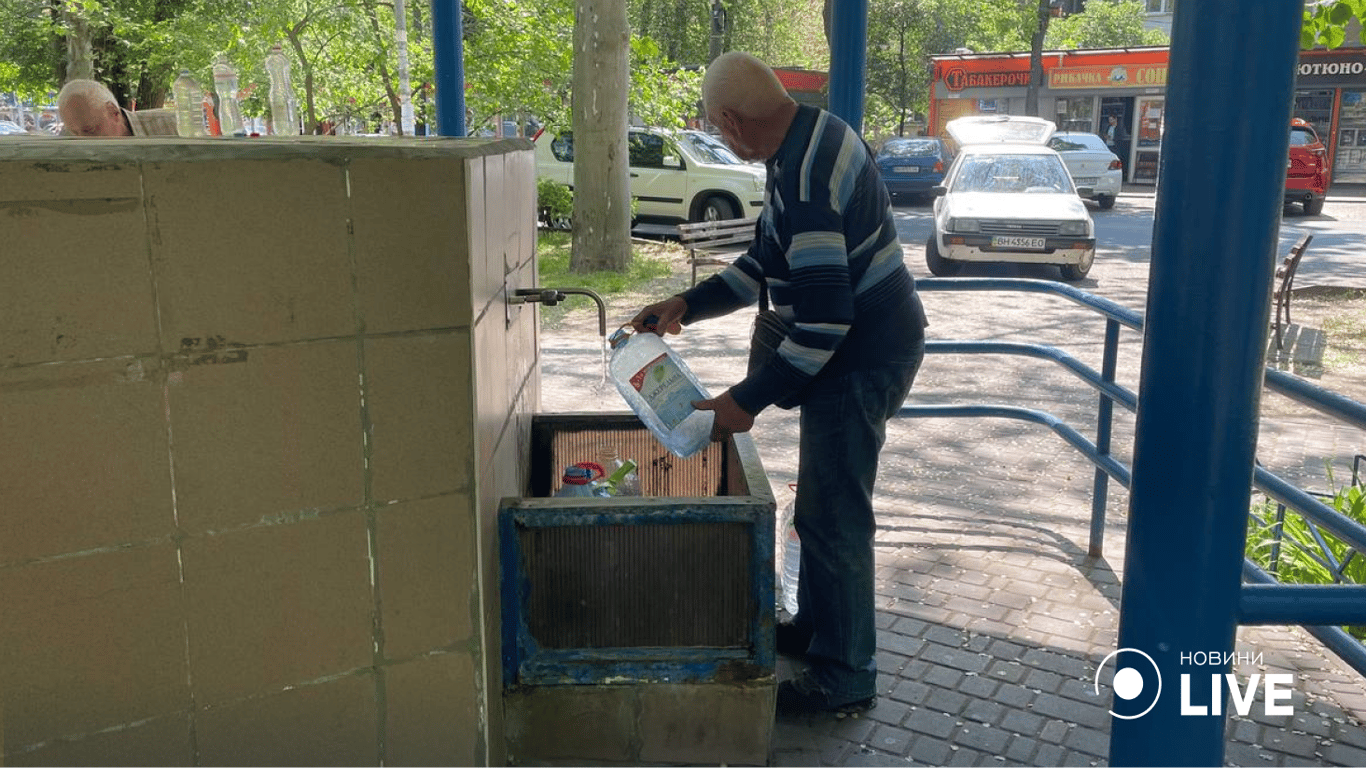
x=89, y=109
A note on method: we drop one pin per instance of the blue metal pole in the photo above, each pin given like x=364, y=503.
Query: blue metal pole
x=848, y=58
x=448, y=53
x=1229, y=90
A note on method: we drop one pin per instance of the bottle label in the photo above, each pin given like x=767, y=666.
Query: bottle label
x=667, y=391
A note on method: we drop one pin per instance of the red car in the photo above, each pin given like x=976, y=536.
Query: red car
x=1306, y=175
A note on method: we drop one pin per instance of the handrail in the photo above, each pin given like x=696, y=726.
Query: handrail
x=1262, y=600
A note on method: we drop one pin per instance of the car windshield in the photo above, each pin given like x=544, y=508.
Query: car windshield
x=1012, y=173
x=711, y=150
x=1078, y=142
x=909, y=148
x=1302, y=137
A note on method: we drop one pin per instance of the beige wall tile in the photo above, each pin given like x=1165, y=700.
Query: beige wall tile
x=91, y=642
x=412, y=244
x=420, y=404
x=251, y=251
x=332, y=723
x=278, y=605
x=486, y=273
x=163, y=741
x=78, y=282
x=427, y=565
x=266, y=431
x=433, y=712
x=85, y=457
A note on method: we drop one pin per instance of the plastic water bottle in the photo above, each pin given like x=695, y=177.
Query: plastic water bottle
x=792, y=569
x=282, y=122
x=229, y=111
x=578, y=480
x=660, y=388
x=618, y=483
x=189, y=105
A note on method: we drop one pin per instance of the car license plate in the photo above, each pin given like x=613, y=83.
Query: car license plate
x=1006, y=241
x=1086, y=181
x=908, y=169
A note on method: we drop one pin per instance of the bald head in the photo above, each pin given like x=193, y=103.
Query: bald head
x=745, y=100
x=740, y=82
x=88, y=108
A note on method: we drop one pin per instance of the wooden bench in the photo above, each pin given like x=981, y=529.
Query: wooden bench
x=716, y=243
x=1284, y=284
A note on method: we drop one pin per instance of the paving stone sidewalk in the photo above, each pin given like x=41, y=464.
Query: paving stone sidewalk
x=992, y=618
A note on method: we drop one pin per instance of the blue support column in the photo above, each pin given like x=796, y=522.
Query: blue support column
x=848, y=60
x=1229, y=92
x=448, y=52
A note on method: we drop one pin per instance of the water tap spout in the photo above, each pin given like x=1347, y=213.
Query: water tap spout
x=552, y=296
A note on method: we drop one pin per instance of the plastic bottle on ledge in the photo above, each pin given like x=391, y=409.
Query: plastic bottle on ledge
x=229, y=110
x=660, y=388
x=282, y=122
x=578, y=480
x=189, y=105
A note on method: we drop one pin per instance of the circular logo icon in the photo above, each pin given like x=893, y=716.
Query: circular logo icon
x=1136, y=684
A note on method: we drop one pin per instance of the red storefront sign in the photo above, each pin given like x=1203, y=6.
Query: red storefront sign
x=958, y=78
x=1116, y=76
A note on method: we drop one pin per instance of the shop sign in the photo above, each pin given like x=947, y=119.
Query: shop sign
x=958, y=78
x=1317, y=69
x=1118, y=76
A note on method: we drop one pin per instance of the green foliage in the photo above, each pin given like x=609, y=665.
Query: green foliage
x=1325, y=23
x=554, y=203
x=1103, y=25
x=1290, y=548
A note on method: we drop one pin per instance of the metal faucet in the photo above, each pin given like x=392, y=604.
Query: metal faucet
x=552, y=296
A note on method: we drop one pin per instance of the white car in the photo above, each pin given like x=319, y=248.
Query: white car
x=1097, y=172
x=671, y=179
x=1007, y=197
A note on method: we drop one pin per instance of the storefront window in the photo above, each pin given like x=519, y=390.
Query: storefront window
x=1161, y=6
x=1077, y=113
x=1350, y=164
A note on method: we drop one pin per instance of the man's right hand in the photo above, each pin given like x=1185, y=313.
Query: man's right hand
x=667, y=317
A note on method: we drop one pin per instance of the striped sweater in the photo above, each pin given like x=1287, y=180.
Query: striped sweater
x=826, y=246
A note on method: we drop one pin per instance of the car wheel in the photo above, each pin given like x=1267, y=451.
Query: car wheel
x=716, y=209
x=1313, y=206
x=1074, y=272
x=939, y=266
x=1106, y=202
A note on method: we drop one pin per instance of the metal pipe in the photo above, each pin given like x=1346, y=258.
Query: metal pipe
x=1204, y=351
x=552, y=296
x=448, y=49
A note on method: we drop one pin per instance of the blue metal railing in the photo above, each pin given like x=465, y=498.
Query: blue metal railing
x=1262, y=601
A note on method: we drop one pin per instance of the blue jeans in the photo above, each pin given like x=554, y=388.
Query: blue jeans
x=843, y=428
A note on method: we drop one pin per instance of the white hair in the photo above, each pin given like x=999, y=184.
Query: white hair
x=742, y=83
x=89, y=91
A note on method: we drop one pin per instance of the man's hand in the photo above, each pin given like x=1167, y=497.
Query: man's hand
x=668, y=316
x=729, y=416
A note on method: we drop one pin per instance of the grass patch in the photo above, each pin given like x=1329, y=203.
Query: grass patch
x=649, y=263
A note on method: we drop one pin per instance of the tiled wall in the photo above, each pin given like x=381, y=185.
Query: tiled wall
x=258, y=402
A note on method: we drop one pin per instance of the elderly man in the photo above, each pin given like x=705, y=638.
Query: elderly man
x=88, y=109
x=826, y=252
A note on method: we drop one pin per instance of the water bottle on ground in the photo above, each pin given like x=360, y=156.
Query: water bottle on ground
x=282, y=122
x=789, y=548
x=229, y=110
x=578, y=480
x=660, y=388
x=189, y=105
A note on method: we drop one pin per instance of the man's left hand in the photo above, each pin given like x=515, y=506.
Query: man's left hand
x=729, y=416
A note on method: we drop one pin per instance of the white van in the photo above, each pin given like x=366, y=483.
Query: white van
x=672, y=179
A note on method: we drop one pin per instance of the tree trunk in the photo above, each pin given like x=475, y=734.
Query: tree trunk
x=1036, y=60
x=80, y=56
x=602, y=208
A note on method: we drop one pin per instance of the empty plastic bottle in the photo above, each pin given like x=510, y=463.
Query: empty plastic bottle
x=282, y=121
x=189, y=105
x=617, y=482
x=229, y=110
x=660, y=388
x=578, y=479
